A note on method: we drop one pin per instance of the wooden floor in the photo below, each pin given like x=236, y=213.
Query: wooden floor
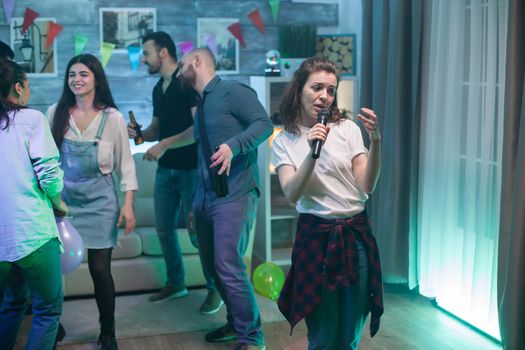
x=410, y=322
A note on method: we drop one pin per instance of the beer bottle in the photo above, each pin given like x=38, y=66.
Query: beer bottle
x=138, y=138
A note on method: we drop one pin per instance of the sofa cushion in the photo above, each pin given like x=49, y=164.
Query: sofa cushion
x=151, y=243
x=138, y=274
x=143, y=207
x=145, y=175
x=126, y=248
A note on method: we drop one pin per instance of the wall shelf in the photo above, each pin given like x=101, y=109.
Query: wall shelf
x=276, y=216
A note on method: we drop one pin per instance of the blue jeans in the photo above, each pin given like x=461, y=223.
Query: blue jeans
x=36, y=276
x=337, y=322
x=174, y=190
x=223, y=232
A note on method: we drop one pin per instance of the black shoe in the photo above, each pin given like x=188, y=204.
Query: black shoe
x=61, y=333
x=243, y=346
x=107, y=341
x=225, y=333
x=168, y=292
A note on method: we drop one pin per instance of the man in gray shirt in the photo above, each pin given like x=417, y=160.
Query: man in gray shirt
x=230, y=125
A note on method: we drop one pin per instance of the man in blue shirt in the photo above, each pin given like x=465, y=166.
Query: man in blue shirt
x=230, y=125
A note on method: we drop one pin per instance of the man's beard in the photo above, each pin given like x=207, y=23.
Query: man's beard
x=153, y=70
x=187, y=80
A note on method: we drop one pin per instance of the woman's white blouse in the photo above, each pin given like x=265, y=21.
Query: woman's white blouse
x=114, y=153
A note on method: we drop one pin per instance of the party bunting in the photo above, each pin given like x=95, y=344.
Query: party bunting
x=52, y=32
x=235, y=29
x=107, y=51
x=274, y=4
x=255, y=17
x=80, y=43
x=186, y=46
x=9, y=5
x=29, y=19
x=211, y=42
x=134, y=56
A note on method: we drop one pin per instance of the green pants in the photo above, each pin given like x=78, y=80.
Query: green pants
x=36, y=277
x=337, y=322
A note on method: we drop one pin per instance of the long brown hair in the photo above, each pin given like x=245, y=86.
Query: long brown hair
x=10, y=74
x=103, y=97
x=290, y=108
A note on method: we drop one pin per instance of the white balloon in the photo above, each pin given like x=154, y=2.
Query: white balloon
x=73, y=253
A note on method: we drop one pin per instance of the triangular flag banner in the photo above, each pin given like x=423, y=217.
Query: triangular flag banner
x=107, y=51
x=255, y=17
x=211, y=42
x=134, y=56
x=9, y=5
x=29, y=18
x=52, y=32
x=186, y=46
x=80, y=43
x=235, y=29
x=274, y=4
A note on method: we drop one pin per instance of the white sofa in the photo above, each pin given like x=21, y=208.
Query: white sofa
x=137, y=262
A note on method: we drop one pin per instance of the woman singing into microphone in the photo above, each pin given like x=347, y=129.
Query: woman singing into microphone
x=335, y=277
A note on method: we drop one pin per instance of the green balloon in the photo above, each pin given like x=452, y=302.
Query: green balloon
x=268, y=280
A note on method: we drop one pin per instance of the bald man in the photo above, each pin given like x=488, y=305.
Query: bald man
x=229, y=126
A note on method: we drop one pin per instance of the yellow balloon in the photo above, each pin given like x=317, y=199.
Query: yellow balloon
x=268, y=280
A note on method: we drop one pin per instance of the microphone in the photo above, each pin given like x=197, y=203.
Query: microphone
x=322, y=117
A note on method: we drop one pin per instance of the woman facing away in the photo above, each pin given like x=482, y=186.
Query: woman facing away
x=335, y=277
x=92, y=138
x=31, y=182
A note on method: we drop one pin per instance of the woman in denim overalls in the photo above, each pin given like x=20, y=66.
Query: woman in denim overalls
x=92, y=137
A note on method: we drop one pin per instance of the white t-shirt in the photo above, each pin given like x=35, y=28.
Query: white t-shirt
x=114, y=153
x=332, y=191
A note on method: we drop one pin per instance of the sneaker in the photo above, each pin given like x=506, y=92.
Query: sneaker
x=225, y=333
x=212, y=303
x=107, y=341
x=243, y=346
x=168, y=292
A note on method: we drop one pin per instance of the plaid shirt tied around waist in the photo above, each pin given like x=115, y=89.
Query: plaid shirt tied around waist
x=325, y=256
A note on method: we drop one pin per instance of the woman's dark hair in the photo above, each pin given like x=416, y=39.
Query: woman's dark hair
x=6, y=52
x=10, y=74
x=290, y=108
x=162, y=40
x=103, y=98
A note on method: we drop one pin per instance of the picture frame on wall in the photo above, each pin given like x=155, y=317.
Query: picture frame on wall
x=126, y=26
x=214, y=34
x=30, y=48
x=340, y=49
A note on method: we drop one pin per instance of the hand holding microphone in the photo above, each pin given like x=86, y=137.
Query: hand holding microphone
x=322, y=118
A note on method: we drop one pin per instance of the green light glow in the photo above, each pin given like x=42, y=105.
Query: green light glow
x=476, y=319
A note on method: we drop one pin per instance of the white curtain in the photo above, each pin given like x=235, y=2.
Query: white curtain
x=460, y=158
